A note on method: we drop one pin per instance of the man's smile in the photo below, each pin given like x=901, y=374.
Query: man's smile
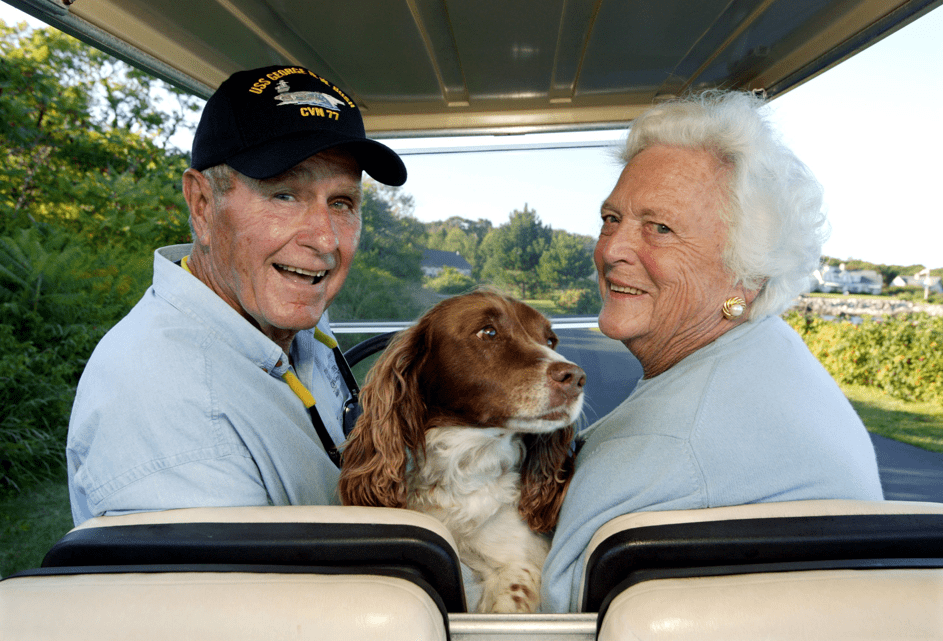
x=315, y=276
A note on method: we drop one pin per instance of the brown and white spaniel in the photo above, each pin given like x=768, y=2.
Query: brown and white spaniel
x=468, y=417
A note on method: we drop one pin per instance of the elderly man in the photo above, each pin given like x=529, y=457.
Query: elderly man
x=224, y=385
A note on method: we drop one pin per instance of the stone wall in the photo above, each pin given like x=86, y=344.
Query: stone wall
x=866, y=306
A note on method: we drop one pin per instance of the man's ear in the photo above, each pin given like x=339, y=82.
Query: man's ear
x=199, y=196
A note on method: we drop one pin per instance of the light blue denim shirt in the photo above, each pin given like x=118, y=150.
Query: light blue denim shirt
x=182, y=404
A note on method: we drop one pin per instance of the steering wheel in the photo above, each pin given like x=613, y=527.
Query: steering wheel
x=367, y=348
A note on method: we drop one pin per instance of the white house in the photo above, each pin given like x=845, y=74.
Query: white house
x=855, y=281
x=435, y=260
x=920, y=279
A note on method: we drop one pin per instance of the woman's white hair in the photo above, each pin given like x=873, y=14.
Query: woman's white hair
x=775, y=220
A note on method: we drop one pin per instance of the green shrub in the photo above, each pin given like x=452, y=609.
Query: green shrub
x=450, y=281
x=901, y=356
x=370, y=293
x=37, y=387
x=56, y=302
x=914, y=295
x=579, y=301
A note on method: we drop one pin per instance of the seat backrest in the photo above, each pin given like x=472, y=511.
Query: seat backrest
x=772, y=570
x=343, y=572
x=817, y=605
x=326, y=539
x=228, y=606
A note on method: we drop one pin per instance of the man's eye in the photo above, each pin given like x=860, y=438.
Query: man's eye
x=662, y=229
x=284, y=196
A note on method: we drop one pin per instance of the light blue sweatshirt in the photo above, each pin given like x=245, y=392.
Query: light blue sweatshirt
x=752, y=417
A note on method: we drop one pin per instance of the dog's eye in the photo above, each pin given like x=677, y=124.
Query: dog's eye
x=552, y=342
x=487, y=332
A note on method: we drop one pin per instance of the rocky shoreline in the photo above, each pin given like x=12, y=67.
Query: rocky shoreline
x=853, y=306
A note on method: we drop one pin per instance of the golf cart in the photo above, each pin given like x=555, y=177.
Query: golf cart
x=811, y=569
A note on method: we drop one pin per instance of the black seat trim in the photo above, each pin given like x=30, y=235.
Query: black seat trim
x=350, y=548
x=750, y=545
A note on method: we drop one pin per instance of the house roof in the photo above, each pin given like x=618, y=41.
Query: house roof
x=439, y=258
x=913, y=280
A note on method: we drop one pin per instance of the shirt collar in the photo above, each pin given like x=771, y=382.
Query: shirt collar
x=192, y=297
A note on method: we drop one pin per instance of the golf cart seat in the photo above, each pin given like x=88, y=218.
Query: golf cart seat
x=242, y=573
x=806, y=569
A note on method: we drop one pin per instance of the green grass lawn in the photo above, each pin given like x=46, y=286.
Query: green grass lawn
x=33, y=521
x=919, y=424
x=30, y=523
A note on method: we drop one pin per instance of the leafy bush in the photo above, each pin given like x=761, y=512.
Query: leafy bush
x=370, y=293
x=46, y=271
x=56, y=301
x=914, y=295
x=450, y=281
x=901, y=355
x=579, y=301
x=37, y=386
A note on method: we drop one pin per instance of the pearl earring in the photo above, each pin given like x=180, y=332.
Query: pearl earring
x=733, y=307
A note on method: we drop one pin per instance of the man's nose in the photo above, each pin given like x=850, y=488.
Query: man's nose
x=318, y=229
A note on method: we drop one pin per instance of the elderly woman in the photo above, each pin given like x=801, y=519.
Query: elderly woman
x=710, y=232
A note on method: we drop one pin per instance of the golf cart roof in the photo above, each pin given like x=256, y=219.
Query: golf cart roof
x=425, y=67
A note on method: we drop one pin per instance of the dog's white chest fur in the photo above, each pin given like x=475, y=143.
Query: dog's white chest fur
x=467, y=476
x=470, y=480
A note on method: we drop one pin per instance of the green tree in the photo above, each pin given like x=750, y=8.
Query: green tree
x=888, y=272
x=455, y=239
x=512, y=252
x=385, y=279
x=458, y=235
x=88, y=187
x=389, y=232
x=566, y=262
x=80, y=134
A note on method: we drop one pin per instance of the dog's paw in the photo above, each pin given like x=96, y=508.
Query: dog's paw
x=511, y=591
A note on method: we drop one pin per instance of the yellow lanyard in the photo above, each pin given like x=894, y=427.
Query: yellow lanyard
x=295, y=383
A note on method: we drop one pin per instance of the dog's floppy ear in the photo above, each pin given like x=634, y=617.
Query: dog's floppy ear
x=545, y=477
x=391, y=427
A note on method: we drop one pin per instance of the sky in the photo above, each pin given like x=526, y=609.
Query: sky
x=870, y=129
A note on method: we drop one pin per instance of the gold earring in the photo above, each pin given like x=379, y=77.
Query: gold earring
x=733, y=307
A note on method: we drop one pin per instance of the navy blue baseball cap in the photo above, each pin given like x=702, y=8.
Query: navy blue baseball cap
x=263, y=122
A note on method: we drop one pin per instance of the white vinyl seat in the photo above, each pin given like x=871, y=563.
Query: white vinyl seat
x=224, y=606
x=241, y=573
x=822, y=605
x=793, y=570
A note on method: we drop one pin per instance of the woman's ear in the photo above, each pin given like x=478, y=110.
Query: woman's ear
x=199, y=196
x=750, y=294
